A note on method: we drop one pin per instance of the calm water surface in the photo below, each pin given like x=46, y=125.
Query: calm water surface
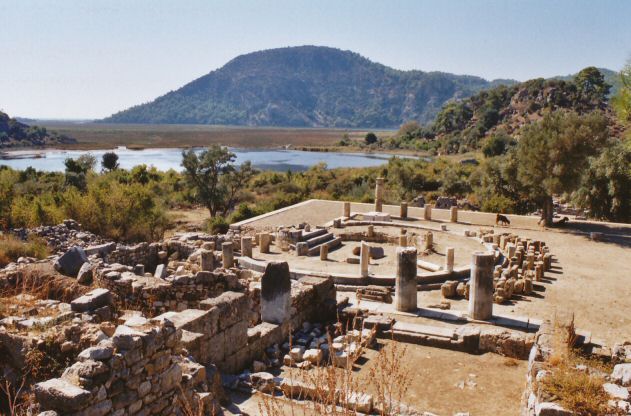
x=164, y=159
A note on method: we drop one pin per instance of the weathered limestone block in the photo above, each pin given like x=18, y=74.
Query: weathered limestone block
x=276, y=293
x=86, y=273
x=302, y=249
x=206, y=260
x=60, y=395
x=449, y=289
x=453, y=214
x=324, y=252
x=403, y=210
x=481, y=280
x=264, y=242
x=449, y=259
x=246, y=246
x=347, y=209
x=427, y=212
x=227, y=254
x=92, y=300
x=71, y=261
x=405, y=282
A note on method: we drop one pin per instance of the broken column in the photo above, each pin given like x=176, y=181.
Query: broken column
x=347, y=209
x=246, y=246
x=264, y=242
x=302, y=249
x=379, y=195
x=403, y=240
x=276, y=293
x=453, y=211
x=364, y=258
x=405, y=283
x=403, y=210
x=206, y=260
x=427, y=213
x=481, y=282
x=227, y=255
x=428, y=242
x=449, y=259
x=371, y=231
x=324, y=252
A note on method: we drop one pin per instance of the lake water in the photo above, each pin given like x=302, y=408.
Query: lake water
x=164, y=159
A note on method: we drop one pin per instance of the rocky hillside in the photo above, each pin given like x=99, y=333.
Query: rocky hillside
x=307, y=86
x=508, y=108
x=16, y=134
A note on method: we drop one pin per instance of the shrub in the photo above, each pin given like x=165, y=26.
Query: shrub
x=217, y=225
x=12, y=248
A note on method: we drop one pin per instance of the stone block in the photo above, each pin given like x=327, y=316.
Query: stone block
x=71, y=261
x=60, y=395
x=236, y=336
x=231, y=307
x=92, y=300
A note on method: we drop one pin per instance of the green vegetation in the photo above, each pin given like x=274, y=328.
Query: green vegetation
x=109, y=161
x=16, y=134
x=306, y=86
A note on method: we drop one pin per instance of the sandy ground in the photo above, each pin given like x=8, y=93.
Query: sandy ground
x=590, y=279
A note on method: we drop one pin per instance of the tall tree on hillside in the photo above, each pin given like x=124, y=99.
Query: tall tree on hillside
x=591, y=85
x=622, y=101
x=215, y=178
x=552, y=155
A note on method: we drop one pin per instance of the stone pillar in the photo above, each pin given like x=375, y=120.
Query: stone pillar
x=227, y=254
x=405, y=283
x=264, y=242
x=364, y=258
x=403, y=210
x=207, y=260
x=246, y=246
x=481, y=281
x=449, y=259
x=324, y=252
x=276, y=293
x=427, y=213
x=428, y=243
x=379, y=195
x=403, y=240
x=539, y=272
x=347, y=209
x=371, y=231
x=511, y=250
x=530, y=261
x=454, y=214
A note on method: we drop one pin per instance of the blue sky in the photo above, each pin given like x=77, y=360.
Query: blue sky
x=88, y=59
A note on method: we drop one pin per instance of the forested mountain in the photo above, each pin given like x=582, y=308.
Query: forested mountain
x=307, y=86
x=16, y=134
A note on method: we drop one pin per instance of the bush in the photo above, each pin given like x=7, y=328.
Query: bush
x=217, y=225
x=12, y=248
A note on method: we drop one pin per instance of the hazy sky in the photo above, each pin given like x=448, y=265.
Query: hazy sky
x=88, y=59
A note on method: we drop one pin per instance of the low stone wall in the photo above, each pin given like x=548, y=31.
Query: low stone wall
x=218, y=331
x=137, y=369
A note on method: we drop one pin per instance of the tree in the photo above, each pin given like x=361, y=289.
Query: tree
x=109, y=161
x=622, y=101
x=215, y=178
x=552, y=154
x=606, y=187
x=370, y=138
x=76, y=170
x=591, y=85
x=497, y=145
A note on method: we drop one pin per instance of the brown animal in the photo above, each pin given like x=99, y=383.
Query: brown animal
x=502, y=220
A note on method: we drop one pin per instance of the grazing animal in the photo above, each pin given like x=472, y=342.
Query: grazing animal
x=502, y=219
x=562, y=222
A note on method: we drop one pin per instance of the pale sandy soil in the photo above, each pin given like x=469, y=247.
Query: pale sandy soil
x=590, y=279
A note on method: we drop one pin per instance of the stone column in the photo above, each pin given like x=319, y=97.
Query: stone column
x=207, y=260
x=324, y=252
x=276, y=293
x=427, y=213
x=246, y=246
x=481, y=282
x=511, y=250
x=347, y=209
x=403, y=210
x=449, y=259
x=428, y=243
x=371, y=231
x=379, y=195
x=403, y=240
x=227, y=254
x=364, y=258
x=539, y=272
x=264, y=242
x=454, y=214
x=405, y=283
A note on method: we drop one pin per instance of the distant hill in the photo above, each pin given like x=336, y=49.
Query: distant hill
x=461, y=125
x=16, y=134
x=307, y=86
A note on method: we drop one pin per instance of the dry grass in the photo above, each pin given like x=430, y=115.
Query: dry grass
x=577, y=390
x=12, y=248
x=335, y=391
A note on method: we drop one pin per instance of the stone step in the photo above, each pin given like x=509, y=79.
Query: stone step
x=334, y=243
x=312, y=234
x=428, y=330
x=319, y=239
